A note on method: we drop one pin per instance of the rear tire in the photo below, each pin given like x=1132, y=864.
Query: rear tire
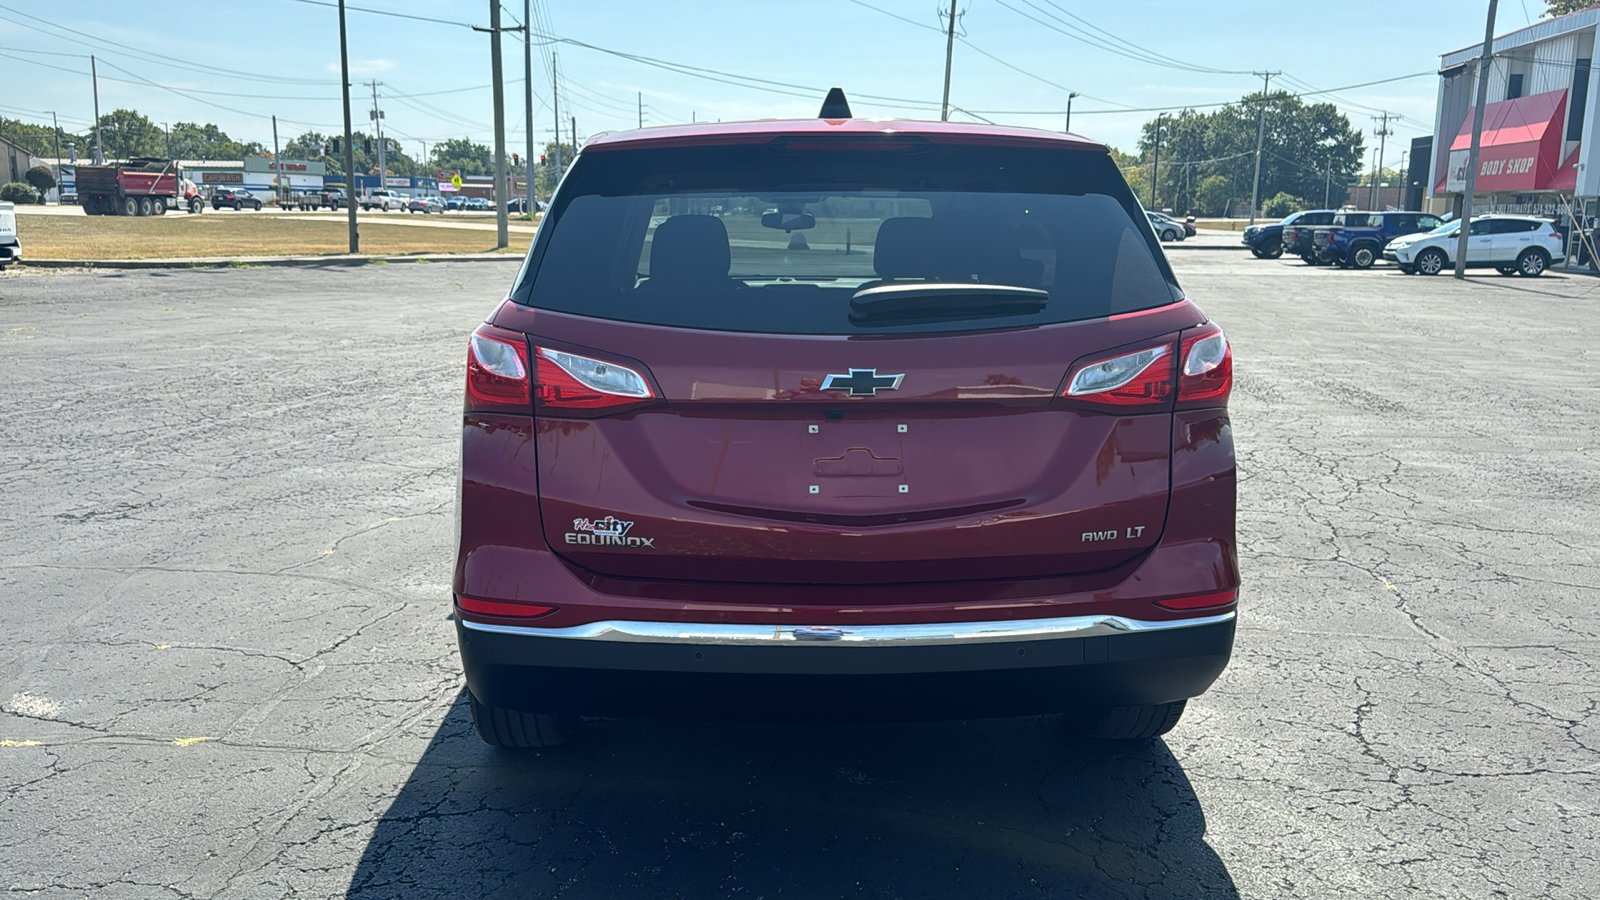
x=130, y=206
x=1407, y=269
x=160, y=207
x=1134, y=723
x=1362, y=257
x=147, y=207
x=1431, y=261
x=520, y=730
x=1532, y=263
x=1506, y=270
x=1310, y=260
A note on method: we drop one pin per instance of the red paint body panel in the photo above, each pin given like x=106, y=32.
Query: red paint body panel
x=1001, y=479
x=504, y=555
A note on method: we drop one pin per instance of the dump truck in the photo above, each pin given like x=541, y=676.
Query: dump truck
x=139, y=187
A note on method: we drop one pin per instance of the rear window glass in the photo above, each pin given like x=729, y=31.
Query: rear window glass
x=779, y=237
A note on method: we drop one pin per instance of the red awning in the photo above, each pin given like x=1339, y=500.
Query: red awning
x=1520, y=148
x=1566, y=177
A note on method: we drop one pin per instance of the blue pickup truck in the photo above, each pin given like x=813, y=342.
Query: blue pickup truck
x=1266, y=241
x=1357, y=239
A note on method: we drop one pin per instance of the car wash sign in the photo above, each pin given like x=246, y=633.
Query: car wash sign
x=1520, y=149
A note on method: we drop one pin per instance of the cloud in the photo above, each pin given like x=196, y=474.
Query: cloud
x=364, y=66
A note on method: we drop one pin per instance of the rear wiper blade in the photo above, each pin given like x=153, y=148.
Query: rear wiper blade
x=944, y=301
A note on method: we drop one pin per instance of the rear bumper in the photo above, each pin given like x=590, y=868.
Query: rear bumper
x=926, y=671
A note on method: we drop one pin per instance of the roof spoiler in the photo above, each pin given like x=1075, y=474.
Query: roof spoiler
x=835, y=106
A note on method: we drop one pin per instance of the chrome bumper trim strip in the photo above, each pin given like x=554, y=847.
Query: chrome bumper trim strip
x=869, y=635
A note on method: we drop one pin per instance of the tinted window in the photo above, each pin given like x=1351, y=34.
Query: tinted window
x=1482, y=226
x=1322, y=218
x=1352, y=220
x=696, y=237
x=1428, y=223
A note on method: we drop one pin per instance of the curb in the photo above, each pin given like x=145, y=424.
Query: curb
x=240, y=262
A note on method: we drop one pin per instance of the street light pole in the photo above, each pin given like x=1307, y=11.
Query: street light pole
x=1070, y=95
x=1261, y=125
x=527, y=87
x=501, y=231
x=349, y=148
x=949, y=56
x=94, y=76
x=1484, y=61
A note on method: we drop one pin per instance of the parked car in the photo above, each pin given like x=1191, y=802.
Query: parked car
x=384, y=200
x=10, y=244
x=456, y=201
x=1520, y=245
x=1359, y=246
x=425, y=205
x=693, y=484
x=233, y=198
x=477, y=204
x=1297, y=234
x=1266, y=240
x=334, y=198
x=1165, y=228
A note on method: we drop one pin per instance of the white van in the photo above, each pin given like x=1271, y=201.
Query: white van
x=10, y=247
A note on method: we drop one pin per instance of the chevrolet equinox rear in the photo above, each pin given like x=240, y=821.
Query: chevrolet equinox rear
x=845, y=419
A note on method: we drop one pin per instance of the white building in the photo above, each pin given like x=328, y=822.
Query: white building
x=1539, y=134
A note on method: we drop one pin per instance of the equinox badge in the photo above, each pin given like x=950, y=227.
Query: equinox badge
x=863, y=382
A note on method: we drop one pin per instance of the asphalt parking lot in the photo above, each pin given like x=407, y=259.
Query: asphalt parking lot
x=225, y=553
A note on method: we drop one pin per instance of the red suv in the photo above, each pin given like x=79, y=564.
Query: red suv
x=846, y=419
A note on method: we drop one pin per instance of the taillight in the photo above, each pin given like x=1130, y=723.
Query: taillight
x=501, y=608
x=1206, y=378
x=497, y=371
x=1201, y=601
x=1139, y=379
x=567, y=381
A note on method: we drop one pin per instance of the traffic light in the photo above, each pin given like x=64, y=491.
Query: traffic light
x=366, y=146
x=333, y=147
x=541, y=159
x=516, y=160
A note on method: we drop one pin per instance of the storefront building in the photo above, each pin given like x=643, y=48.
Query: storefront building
x=1538, y=134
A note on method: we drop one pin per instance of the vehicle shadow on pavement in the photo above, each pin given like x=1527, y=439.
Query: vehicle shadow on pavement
x=992, y=809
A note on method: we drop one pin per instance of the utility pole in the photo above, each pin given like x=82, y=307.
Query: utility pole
x=94, y=76
x=1070, y=95
x=641, y=109
x=1155, y=162
x=574, y=133
x=277, y=161
x=527, y=90
x=502, y=235
x=1383, y=133
x=1372, y=180
x=1261, y=125
x=1484, y=61
x=555, y=112
x=57, y=127
x=383, y=151
x=949, y=56
x=1327, y=184
x=349, y=146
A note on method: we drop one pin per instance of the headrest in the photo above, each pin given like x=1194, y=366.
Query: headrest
x=907, y=247
x=690, y=249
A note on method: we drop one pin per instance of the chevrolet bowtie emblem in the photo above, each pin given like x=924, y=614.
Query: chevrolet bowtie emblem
x=862, y=382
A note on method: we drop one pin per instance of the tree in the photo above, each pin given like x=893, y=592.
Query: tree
x=17, y=192
x=546, y=176
x=42, y=180
x=40, y=140
x=193, y=141
x=1562, y=7
x=1280, y=205
x=1301, y=143
x=1212, y=195
x=125, y=134
x=464, y=156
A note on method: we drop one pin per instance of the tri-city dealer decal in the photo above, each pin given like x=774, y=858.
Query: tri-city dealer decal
x=608, y=532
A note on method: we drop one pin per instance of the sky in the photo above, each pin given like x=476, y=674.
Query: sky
x=237, y=64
